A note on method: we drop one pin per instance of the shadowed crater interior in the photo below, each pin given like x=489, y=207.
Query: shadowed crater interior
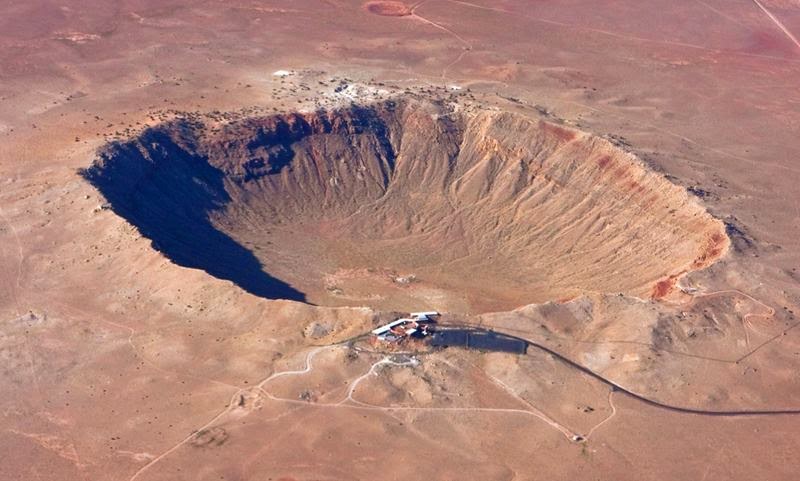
x=407, y=204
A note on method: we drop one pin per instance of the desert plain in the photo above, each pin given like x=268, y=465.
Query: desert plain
x=206, y=207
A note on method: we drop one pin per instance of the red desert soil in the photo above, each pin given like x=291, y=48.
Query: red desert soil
x=203, y=204
x=388, y=8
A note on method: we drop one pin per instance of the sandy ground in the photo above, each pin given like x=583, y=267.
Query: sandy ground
x=120, y=365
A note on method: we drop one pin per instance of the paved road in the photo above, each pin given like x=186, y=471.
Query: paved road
x=622, y=389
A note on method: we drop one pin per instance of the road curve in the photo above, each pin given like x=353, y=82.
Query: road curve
x=625, y=391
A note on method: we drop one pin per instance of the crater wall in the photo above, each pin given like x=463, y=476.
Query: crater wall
x=406, y=204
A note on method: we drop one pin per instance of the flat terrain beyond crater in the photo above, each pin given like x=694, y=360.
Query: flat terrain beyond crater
x=407, y=204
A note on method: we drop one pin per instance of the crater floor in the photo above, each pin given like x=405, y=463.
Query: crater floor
x=408, y=204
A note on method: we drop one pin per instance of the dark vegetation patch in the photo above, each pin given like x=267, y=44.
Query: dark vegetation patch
x=209, y=438
x=388, y=8
x=741, y=240
x=699, y=192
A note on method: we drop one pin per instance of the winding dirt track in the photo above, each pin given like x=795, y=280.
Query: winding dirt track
x=350, y=402
x=748, y=324
x=613, y=413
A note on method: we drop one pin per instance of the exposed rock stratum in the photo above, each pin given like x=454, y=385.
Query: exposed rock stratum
x=408, y=204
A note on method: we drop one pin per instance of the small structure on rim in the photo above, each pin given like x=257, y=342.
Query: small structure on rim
x=417, y=325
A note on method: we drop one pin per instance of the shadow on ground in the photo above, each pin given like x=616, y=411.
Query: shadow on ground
x=479, y=339
x=168, y=192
